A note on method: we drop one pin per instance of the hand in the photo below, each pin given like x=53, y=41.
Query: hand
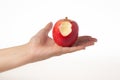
x=41, y=46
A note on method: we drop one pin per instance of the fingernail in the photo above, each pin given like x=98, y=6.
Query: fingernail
x=95, y=39
x=84, y=48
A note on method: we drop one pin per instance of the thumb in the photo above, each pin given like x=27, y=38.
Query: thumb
x=45, y=30
x=48, y=27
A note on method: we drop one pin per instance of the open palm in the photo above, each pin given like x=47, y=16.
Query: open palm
x=43, y=47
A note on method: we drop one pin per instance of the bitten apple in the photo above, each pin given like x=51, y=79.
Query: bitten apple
x=65, y=32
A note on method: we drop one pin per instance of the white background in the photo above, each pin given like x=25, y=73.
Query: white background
x=21, y=19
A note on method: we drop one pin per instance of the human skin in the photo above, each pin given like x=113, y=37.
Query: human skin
x=40, y=47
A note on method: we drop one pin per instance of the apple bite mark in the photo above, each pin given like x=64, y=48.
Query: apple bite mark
x=65, y=28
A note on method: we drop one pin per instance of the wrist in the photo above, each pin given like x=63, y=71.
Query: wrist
x=29, y=52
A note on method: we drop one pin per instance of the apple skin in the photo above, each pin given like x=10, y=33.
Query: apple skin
x=70, y=39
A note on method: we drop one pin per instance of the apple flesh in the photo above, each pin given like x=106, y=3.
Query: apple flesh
x=65, y=32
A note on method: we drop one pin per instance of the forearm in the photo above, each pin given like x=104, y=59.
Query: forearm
x=13, y=57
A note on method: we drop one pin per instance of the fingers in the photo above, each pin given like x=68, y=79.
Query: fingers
x=76, y=48
x=81, y=44
x=85, y=40
x=72, y=49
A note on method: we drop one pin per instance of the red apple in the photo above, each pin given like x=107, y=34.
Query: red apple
x=65, y=32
